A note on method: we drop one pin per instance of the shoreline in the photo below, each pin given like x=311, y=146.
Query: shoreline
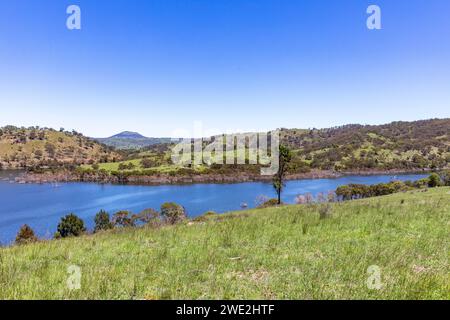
x=165, y=179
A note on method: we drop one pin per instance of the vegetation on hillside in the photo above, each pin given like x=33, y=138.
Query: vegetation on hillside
x=312, y=251
x=399, y=146
x=37, y=148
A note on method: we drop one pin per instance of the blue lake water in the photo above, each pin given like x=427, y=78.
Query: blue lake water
x=42, y=205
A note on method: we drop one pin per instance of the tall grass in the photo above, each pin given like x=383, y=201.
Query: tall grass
x=292, y=252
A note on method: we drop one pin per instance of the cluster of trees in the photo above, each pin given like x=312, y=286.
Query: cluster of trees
x=73, y=226
x=360, y=191
x=126, y=166
x=38, y=148
x=385, y=147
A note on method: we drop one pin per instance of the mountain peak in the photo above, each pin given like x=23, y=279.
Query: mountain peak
x=129, y=135
x=131, y=140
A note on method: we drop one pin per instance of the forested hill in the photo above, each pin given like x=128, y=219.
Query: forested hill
x=131, y=140
x=398, y=145
x=41, y=147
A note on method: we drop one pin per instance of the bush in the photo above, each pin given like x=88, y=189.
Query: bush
x=147, y=216
x=344, y=192
x=147, y=163
x=445, y=177
x=421, y=183
x=269, y=203
x=307, y=198
x=123, y=219
x=261, y=199
x=172, y=212
x=25, y=235
x=205, y=217
x=70, y=226
x=102, y=221
x=434, y=180
x=325, y=210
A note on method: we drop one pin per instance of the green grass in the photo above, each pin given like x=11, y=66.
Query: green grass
x=167, y=168
x=274, y=253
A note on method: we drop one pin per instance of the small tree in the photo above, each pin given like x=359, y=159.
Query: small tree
x=147, y=163
x=147, y=216
x=123, y=219
x=285, y=157
x=102, y=221
x=434, y=180
x=25, y=235
x=70, y=226
x=172, y=212
x=445, y=177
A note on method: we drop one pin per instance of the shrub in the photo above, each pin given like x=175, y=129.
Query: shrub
x=261, y=199
x=123, y=219
x=172, y=212
x=445, y=177
x=205, y=217
x=269, y=203
x=147, y=216
x=344, y=192
x=434, y=180
x=70, y=226
x=25, y=235
x=147, y=163
x=324, y=210
x=421, y=183
x=102, y=221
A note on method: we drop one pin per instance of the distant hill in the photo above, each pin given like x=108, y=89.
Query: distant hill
x=131, y=140
x=42, y=147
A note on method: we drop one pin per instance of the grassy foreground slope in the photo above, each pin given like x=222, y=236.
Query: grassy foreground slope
x=274, y=253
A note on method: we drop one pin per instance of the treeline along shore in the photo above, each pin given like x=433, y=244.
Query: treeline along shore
x=167, y=179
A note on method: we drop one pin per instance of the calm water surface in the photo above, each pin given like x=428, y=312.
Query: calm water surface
x=42, y=206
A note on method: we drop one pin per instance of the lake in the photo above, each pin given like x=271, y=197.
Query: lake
x=42, y=205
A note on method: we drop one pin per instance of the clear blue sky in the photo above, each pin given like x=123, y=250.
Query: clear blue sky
x=155, y=66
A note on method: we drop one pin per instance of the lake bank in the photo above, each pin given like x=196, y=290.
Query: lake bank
x=168, y=179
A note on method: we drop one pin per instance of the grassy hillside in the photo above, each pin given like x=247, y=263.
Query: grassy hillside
x=398, y=145
x=274, y=253
x=31, y=147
